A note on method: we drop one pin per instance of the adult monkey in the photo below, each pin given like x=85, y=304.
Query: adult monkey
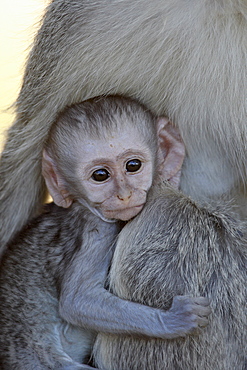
x=188, y=249
x=187, y=58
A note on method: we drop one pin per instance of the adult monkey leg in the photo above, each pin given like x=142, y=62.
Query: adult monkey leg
x=187, y=59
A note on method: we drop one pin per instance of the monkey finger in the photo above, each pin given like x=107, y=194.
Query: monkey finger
x=202, y=310
x=202, y=321
x=202, y=301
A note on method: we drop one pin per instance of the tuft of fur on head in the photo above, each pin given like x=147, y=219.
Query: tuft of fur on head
x=100, y=116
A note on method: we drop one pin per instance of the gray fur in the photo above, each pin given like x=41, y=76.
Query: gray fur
x=183, y=58
x=33, y=334
x=185, y=249
x=52, y=296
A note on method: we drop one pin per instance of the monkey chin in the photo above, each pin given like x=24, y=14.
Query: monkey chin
x=124, y=214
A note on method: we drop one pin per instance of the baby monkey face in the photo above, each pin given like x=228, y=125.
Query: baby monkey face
x=116, y=173
x=111, y=169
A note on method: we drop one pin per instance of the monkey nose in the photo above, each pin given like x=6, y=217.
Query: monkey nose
x=124, y=197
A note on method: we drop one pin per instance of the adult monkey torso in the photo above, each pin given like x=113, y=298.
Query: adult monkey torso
x=188, y=249
x=187, y=59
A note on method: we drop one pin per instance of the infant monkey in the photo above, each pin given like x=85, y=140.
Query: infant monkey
x=100, y=160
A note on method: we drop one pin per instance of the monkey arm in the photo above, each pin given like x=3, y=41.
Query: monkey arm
x=85, y=302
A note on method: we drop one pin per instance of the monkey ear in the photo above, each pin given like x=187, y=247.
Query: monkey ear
x=54, y=182
x=171, y=151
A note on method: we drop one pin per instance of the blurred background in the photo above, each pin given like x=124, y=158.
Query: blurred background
x=19, y=21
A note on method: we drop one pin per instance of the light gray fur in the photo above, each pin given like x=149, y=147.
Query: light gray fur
x=183, y=58
x=184, y=249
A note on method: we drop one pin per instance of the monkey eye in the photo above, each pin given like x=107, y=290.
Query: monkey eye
x=100, y=175
x=133, y=165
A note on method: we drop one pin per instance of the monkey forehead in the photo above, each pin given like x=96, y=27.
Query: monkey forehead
x=113, y=146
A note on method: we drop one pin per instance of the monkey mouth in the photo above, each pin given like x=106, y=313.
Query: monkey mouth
x=123, y=209
x=124, y=214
